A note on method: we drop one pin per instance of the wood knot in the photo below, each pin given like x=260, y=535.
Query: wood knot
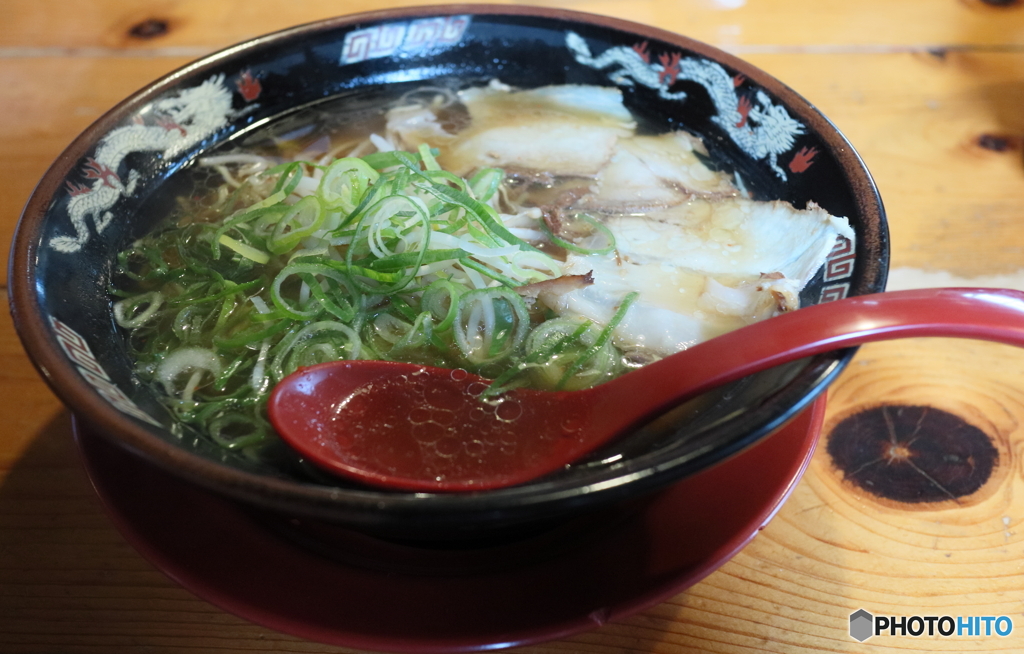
x=997, y=5
x=912, y=454
x=150, y=28
x=999, y=142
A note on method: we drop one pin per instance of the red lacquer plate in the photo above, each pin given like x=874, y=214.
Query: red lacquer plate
x=338, y=587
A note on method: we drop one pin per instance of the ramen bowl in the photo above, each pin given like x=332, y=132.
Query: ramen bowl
x=119, y=179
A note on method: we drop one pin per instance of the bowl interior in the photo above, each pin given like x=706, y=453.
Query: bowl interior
x=117, y=181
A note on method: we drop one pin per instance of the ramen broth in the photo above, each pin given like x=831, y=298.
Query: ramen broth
x=534, y=237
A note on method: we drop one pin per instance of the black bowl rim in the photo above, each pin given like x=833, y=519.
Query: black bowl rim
x=348, y=504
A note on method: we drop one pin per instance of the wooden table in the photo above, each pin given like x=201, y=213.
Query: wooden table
x=931, y=92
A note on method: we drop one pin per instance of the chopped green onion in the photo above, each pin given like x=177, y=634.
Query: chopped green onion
x=344, y=184
x=602, y=339
x=490, y=324
x=595, y=225
x=304, y=218
x=246, y=251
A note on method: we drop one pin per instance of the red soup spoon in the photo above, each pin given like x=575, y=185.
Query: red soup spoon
x=419, y=428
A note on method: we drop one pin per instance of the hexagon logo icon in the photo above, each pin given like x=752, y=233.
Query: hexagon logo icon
x=862, y=625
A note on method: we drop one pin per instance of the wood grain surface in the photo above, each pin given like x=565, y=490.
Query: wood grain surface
x=931, y=93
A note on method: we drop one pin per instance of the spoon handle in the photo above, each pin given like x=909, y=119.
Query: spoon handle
x=977, y=313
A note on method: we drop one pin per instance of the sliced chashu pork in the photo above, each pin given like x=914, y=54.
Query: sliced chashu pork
x=648, y=172
x=732, y=237
x=702, y=268
x=568, y=130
